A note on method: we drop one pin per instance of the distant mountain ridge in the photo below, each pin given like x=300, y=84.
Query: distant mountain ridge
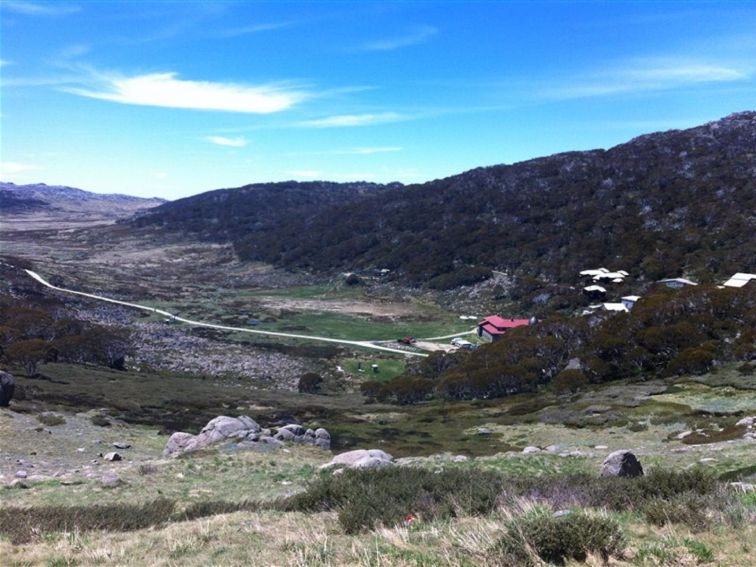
x=48, y=203
x=660, y=205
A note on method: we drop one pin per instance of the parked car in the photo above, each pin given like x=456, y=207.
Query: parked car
x=407, y=340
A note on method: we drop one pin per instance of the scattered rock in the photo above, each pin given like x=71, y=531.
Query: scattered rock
x=554, y=449
x=621, y=463
x=484, y=431
x=112, y=456
x=7, y=387
x=601, y=447
x=21, y=474
x=683, y=435
x=121, y=445
x=531, y=449
x=111, y=481
x=361, y=459
x=460, y=459
x=745, y=422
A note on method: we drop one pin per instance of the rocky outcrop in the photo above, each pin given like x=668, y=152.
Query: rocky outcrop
x=7, y=387
x=360, y=459
x=621, y=463
x=247, y=433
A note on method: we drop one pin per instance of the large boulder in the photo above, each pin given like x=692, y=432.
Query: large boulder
x=621, y=463
x=247, y=432
x=217, y=430
x=7, y=387
x=360, y=459
x=177, y=443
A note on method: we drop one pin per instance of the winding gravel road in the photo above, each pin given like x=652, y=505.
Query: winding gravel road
x=359, y=344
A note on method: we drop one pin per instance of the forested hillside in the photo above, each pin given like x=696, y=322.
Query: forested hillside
x=662, y=205
x=256, y=211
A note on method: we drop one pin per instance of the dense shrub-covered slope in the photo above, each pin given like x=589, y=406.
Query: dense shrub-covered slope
x=668, y=333
x=658, y=206
x=268, y=211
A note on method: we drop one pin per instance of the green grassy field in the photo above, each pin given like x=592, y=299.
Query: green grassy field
x=387, y=367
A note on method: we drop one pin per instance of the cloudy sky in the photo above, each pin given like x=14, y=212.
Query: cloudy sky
x=174, y=98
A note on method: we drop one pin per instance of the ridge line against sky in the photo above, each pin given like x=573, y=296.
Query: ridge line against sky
x=170, y=99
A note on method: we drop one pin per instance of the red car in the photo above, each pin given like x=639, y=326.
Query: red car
x=407, y=340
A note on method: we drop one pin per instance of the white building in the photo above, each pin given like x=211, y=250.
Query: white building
x=739, y=280
x=676, y=283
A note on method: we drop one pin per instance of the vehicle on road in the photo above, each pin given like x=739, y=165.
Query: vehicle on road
x=407, y=340
x=462, y=343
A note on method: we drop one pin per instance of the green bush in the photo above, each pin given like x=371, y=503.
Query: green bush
x=368, y=498
x=540, y=533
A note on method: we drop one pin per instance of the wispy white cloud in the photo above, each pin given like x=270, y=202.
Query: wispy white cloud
x=40, y=9
x=239, y=142
x=417, y=35
x=5, y=62
x=252, y=29
x=14, y=168
x=349, y=120
x=648, y=75
x=166, y=90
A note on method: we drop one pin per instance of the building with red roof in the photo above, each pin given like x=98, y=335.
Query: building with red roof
x=493, y=327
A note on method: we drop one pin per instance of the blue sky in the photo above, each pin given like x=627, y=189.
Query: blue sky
x=174, y=98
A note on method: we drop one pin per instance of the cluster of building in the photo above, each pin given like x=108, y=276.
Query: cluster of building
x=493, y=327
x=597, y=292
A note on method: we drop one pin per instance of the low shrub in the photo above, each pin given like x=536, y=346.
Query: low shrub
x=368, y=498
x=556, y=538
x=100, y=420
x=23, y=524
x=612, y=493
x=51, y=419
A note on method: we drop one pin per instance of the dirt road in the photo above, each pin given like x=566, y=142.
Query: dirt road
x=359, y=344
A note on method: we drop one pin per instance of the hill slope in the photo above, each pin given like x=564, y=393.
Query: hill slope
x=255, y=210
x=658, y=206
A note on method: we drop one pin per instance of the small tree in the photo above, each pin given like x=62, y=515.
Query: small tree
x=28, y=354
x=310, y=383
